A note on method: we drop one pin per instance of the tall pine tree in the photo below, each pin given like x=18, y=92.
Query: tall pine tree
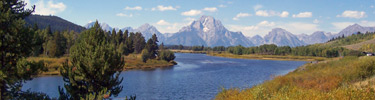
x=15, y=45
x=138, y=42
x=152, y=46
x=95, y=68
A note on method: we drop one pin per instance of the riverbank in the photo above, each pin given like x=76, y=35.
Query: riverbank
x=132, y=62
x=268, y=57
x=338, y=79
x=187, y=51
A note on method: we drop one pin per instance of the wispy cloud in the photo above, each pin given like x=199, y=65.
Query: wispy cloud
x=269, y=13
x=192, y=12
x=303, y=15
x=164, y=8
x=162, y=22
x=124, y=15
x=222, y=6
x=240, y=15
x=210, y=9
x=262, y=28
x=257, y=7
x=353, y=14
x=133, y=8
x=316, y=21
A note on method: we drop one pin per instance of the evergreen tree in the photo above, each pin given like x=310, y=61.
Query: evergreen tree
x=152, y=46
x=129, y=43
x=38, y=39
x=15, y=45
x=119, y=37
x=166, y=55
x=138, y=42
x=56, y=47
x=94, y=69
x=125, y=36
x=161, y=47
x=113, y=36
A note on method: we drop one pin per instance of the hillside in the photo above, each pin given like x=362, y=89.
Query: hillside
x=56, y=23
x=358, y=46
x=351, y=42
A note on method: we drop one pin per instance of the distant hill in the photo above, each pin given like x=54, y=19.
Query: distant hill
x=56, y=23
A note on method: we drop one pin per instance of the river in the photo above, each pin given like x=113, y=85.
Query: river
x=197, y=76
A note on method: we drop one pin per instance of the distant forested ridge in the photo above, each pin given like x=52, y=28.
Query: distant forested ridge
x=56, y=23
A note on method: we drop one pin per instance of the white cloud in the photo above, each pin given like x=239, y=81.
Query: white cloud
x=303, y=15
x=262, y=28
x=299, y=27
x=222, y=6
x=210, y=9
x=316, y=21
x=284, y=14
x=163, y=22
x=353, y=14
x=191, y=13
x=372, y=6
x=133, y=8
x=172, y=27
x=262, y=13
x=239, y=15
x=258, y=6
x=164, y=8
x=269, y=13
x=50, y=8
x=189, y=19
x=266, y=23
x=124, y=15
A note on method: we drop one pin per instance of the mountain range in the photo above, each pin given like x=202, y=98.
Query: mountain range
x=209, y=31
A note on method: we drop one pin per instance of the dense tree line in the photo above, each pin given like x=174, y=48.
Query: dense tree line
x=310, y=50
x=57, y=44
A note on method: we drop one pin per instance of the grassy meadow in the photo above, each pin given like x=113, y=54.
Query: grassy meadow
x=335, y=79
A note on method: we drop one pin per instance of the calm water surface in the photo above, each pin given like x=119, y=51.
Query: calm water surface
x=196, y=76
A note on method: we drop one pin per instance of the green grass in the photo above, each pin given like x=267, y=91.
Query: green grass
x=333, y=79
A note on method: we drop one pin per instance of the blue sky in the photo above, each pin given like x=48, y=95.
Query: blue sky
x=251, y=17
